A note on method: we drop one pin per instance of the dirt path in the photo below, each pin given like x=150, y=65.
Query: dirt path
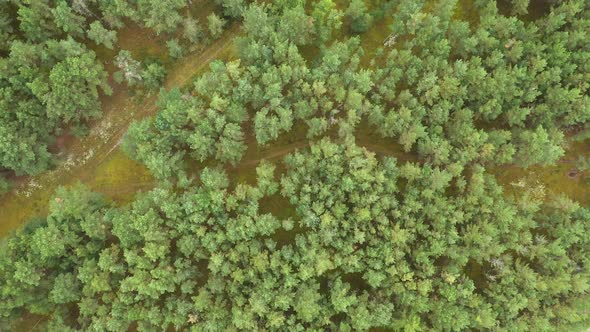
x=272, y=154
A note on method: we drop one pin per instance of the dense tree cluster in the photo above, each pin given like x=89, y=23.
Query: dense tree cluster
x=141, y=263
x=498, y=92
x=378, y=245
x=365, y=241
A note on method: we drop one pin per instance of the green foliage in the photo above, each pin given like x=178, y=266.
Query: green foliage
x=520, y=6
x=539, y=147
x=115, y=11
x=150, y=74
x=130, y=69
x=327, y=19
x=36, y=20
x=201, y=126
x=153, y=75
x=357, y=13
x=160, y=15
x=120, y=248
x=502, y=76
x=100, y=35
x=192, y=31
x=50, y=80
x=233, y=8
x=73, y=93
x=65, y=19
x=216, y=25
x=6, y=27
x=296, y=25
x=5, y=186
x=583, y=163
x=175, y=50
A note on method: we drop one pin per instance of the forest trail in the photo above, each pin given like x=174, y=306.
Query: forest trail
x=96, y=160
x=273, y=154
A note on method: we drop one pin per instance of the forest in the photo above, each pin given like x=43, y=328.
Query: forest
x=293, y=165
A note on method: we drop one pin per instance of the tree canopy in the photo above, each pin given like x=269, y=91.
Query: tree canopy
x=373, y=237
x=332, y=236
